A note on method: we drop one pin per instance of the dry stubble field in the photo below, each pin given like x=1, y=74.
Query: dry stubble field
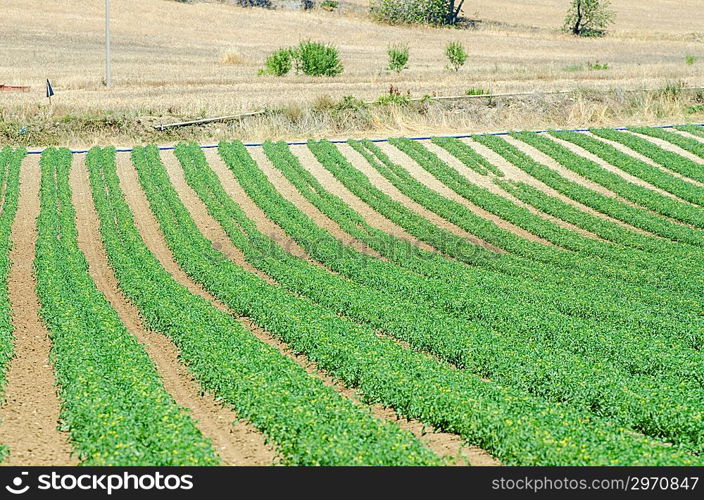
x=168, y=65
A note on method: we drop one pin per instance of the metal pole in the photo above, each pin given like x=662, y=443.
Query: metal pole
x=108, y=76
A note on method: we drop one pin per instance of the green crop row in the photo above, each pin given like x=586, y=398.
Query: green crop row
x=517, y=428
x=613, y=261
x=643, y=196
x=501, y=356
x=610, y=206
x=613, y=298
x=687, y=143
x=663, y=252
x=464, y=291
x=467, y=156
x=112, y=401
x=10, y=162
x=697, y=130
x=668, y=159
x=309, y=422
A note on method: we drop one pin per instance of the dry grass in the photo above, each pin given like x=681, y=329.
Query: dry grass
x=173, y=60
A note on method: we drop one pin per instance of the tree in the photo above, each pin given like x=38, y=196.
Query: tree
x=588, y=17
x=435, y=12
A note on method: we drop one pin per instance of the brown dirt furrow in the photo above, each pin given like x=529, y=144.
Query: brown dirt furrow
x=361, y=164
x=264, y=224
x=444, y=444
x=426, y=178
x=199, y=213
x=373, y=218
x=608, y=166
x=31, y=411
x=571, y=176
x=289, y=191
x=235, y=445
x=487, y=183
x=668, y=146
x=244, y=444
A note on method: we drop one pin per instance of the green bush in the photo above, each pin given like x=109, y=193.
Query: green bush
x=317, y=59
x=434, y=12
x=588, y=17
x=329, y=5
x=690, y=60
x=456, y=55
x=477, y=91
x=278, y=63
x=398, y=57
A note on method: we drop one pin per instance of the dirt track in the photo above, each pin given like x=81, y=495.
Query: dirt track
x=29, y=417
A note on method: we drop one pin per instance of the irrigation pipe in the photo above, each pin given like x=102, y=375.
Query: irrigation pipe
x=345, y=141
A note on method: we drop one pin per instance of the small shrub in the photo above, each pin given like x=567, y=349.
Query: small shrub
x=398, y=57
x=695, y=108
x=317, y=59
x=394, y=98
x=329, y=5
x=689, y=60
x=456, y=55
x=255, y=3
x=595, y=66
x=278, y=63
x=477, y=91
x=350, y=103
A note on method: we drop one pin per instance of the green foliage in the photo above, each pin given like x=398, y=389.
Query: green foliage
x=477, y=91
x=10, y=164
x=113, y=403
x=317, y=59
x=596, y=66
x=695, y=108
x=588, y=17
x=310, y=423
x=690, y=60
x=612, y=207
x=433, y=12
x=329, y=5
x=310, y=58
x=279, y=63
x=456, y=55
x=398, y=57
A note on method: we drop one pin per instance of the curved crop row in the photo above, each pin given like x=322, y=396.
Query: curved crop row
x=668, y=159
x=513, y=426
x=585, y=379
x=617, y=209
x=467, y=155
x=113, y=403
x=613, y=296
x=309, y=422
x=687, y=143
x=644, y=196
x=611, y=260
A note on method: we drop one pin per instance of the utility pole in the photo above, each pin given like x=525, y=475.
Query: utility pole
x=108, y=76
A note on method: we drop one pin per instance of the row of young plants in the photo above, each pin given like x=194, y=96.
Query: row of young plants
x=512, y=425
x=697, y=130
x=668, y=159
x=641, y=195
x=610, y=260
x=637, y=217
x=113, y=403
x=661, y=250
x=462, y=290
x=501, y=355
x=10, y=163
x=682, y=141
x=468, y=156
x=309, y=422
x=605, y=229
x=615, y=299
